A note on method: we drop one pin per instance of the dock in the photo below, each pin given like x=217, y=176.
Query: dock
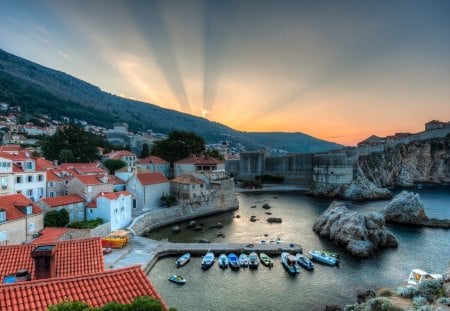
x=146, y=252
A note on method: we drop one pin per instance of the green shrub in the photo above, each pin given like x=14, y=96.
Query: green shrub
x=69, y=306
x=88, y=224
x=431, y=289
x=419, y=301
x=407, y=292
x=168, y=200
x=56, y=218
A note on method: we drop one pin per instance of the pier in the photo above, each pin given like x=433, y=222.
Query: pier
x=146, y=252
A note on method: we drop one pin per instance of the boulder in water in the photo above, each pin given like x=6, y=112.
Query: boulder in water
x=274, y=219
x=405, y=208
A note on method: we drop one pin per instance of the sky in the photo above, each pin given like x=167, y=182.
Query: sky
x=336, y=70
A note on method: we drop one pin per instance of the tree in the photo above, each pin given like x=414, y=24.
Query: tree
x=56, y=218
x=114, y=165
x=213, y=153
x=82, y=144
x=145, y=152
x=179, y=145
x=65, y=156
x=168, y=200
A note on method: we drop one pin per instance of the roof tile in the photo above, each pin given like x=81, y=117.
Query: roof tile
x=63, y=200
x=151, y=178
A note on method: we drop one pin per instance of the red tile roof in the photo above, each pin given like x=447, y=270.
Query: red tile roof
x=151, y=178
x=45, y=164
x=14, y=157
x=78, y=165
x=63, y=200
x=153, y=160
x=50, y=234
x=118, y=155
x=72, y=258
x=12, y=204
x=187, y=179
x=89, y=170
x=51, y=176
x=97, y=179
x=120, y=285
x=200, y=161
x=108, y=195
x=10, y=148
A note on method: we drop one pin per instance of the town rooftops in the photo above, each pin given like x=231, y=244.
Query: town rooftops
x=107, y=195
x=187, y=179
x=63, y=200
x=152, y=160
x=51, y=234
x=151, y=178
x=98, y=288
x=14, y=205
x=71, y=258
x=99, y=179
x=118, y=155
x=44, y=164
x=10, y=148
x=200, y=161
x=83, y=168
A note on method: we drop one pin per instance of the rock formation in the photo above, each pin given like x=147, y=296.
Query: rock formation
x=405, y=165
x=361, y=235
x=407, y=208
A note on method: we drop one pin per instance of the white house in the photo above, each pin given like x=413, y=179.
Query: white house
x=147, y=189
x=188, y=187
x=113, y=207
x=19, y=174
x=154, y=164
x=206, y=168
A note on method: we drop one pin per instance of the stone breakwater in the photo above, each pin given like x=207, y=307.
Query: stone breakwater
x=359, y=234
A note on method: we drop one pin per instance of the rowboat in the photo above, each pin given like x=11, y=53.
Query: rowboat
x=177, y=279
x=266, y=260
x=223, y=261
x=183, y=260
x=290, y=263
x=208, y=260
x=324, y=258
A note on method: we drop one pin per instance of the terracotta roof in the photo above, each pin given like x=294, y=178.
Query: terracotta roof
x=96, y=179
x=45, y=164
x=72, y=258
x=108, y=195
x=12, y=204
x=153, y=160
x=151, y=178
x=63, y=200
x=187, y=179
x=89, y=170
x=118, y=155
x=120, y=285
x=10, y=148
x=200, y=161
x=78, y=165
x=51, y=176
x=50, y=234
x=112, y=179
x=14, y=157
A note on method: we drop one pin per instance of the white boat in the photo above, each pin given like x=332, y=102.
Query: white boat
x=324, y=258
x=223, y=261
x=183, y=260
x=233, y=261
x=304, y=261
x=417, y=276
x=177, y=279
x=208, y=260
x=290, y=263
x=243, y=260
x=253, y=260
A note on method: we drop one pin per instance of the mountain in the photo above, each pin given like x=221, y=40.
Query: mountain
x=41, y=90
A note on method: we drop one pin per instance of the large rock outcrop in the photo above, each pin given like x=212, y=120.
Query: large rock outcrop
x=361, y=189
x=407, y=208
x=426, y=161
x=361, y=235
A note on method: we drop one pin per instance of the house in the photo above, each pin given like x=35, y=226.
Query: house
x=372, y=141
x=124, y=155
x=19, y=174
x=44, y=164
x=206, y=168
x=66, y=270
x=154, y=164
x=83, y=168
x=112, y=207
x=147, y=189
x=20, y=219
x=73, y=204
x=188, y=187
x=89, y=186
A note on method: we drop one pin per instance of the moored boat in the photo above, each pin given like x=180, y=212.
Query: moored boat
x=182, y=260
x=243, y=260
x=177, y=279
x=266, y=260
x=253, y=260
x=223, y=261
x=233, y=261
x=208, y=260
x=324, y=258
x=304, y=261
x=290, y=263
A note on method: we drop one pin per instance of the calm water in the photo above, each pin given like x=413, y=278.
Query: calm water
x=264, y=289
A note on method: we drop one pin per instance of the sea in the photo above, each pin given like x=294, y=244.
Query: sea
x=274, y=289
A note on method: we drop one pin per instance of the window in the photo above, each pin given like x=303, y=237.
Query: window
x=115, y=211
x=3, y=235
x=30, y=178
x=51, y=194
x=29, y=165
x=51, y=184
x=40, y=177
x=19, y=179
x=31, y=227
x=29, y=192
x=89, y=188
x=40, y=191
x=4, y=182
x=122, y=209
x=2, y=216
x=91, y=210
x=29, y=210
x=5, y=164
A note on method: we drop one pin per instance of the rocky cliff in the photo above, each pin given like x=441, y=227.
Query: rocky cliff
x=425, y=161
x=361, y=235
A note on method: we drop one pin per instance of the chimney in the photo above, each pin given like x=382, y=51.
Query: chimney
x=44, y=257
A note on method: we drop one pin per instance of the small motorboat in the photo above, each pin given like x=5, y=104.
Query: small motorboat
x=183, y=260
x=304, y=261
x=243, y=260
x=290, y=263
x=324, y=258
x=253, y=260
x=223, y=261
x=266, y=260
x=177, y=279
x=417, y=276
x=208, y=260
x=233, y=261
